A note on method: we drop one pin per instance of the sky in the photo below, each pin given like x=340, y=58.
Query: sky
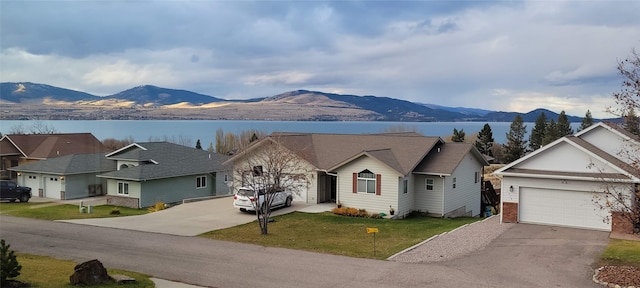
x=496, y=55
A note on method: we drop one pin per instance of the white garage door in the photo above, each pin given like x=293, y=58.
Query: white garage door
x=562, y=208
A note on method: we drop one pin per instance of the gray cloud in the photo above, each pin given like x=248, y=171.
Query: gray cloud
x=456, y=53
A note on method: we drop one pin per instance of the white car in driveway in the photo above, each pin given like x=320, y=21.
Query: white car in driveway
x=246, y=199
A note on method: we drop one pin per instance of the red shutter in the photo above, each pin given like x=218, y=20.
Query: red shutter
x=355, y=182
x=378, y=177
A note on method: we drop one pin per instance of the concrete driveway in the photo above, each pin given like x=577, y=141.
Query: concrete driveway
x=536, y=256
x=188, y=219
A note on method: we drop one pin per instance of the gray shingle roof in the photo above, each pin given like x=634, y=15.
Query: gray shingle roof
x=70, y=164
x=165, y=160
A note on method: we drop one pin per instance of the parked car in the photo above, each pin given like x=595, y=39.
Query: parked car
x=9, y=190
x=246, y=199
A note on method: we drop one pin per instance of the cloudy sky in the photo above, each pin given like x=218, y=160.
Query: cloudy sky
x=498, y=55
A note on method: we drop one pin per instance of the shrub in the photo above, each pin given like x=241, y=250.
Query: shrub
x=9, y=266
x=115, y=211
x=351, y=212
x=158, y=206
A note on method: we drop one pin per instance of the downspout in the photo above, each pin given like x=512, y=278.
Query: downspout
x=444, y=187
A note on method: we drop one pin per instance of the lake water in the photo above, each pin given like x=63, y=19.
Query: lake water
x=205, y=130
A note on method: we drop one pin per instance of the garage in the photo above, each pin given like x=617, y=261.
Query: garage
x=561, y=208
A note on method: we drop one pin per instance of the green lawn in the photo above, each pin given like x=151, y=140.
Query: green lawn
x=622, y=252
x=47, y=272
x=340, y=235
x=62, y=212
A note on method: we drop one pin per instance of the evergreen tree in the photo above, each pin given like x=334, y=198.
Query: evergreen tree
x=458, y=136
x=516, y=145
x=537, y=133
x=587, y=121
x=485, y=140
x=631, y=121
x=563, y=127
x=9, y=267
x=198, y=145
x=550, y=133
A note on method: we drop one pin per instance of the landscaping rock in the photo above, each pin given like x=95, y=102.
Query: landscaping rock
x=90, y=273
x=123, y=279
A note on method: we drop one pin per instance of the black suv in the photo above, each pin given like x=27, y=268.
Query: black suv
x=10, y=191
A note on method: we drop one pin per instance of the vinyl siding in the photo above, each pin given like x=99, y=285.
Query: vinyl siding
x=564, y=157
x=405, y=201
x=369, y=201
x=429, y=201
x=77, y=186
x=172, y=190
x=134, y=188
x=606, y=141
x=467, y=191
x=222, y=188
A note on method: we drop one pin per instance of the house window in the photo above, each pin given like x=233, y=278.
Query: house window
x=476, y=177
x=201, y=182
x=429, y=184
x=257, y=171
x=454, y=182
x=405, y=186
x=123, y=188
x=367, y=182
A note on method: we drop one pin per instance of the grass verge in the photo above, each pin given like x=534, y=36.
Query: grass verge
x=47, y=272
x=340, y=235
x=622, y=252
x=63, y=212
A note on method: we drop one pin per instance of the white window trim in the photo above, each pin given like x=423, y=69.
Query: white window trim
x=426, y=182
x=367, y=180
x=123, y=191
x=200, y=180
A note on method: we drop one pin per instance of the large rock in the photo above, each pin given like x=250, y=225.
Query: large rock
x=90, y=273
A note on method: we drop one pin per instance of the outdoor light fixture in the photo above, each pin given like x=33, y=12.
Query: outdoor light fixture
x=61, y=177
x=511, y=188
x=19, y=173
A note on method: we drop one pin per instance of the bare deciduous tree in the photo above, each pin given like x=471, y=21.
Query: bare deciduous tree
x=269, y=166
x=115, y=144
x=620, y=196
x=38, y=127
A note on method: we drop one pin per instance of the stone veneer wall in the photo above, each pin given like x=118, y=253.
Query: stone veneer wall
x=123, y=201
x=510, y=212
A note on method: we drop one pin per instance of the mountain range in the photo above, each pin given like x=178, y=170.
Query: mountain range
x=151, y=102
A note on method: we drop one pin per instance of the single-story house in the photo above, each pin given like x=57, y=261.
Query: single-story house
x=560, y=183
x=20, y=149
x=160, y=171
x=65, y=177
x=405, y=171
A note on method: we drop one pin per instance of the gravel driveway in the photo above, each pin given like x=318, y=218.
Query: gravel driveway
x=456, y=243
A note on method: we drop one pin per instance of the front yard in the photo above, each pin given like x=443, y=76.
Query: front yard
x=54, y=211
x=340, y=235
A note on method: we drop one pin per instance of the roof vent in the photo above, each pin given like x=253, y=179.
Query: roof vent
x=438, y=149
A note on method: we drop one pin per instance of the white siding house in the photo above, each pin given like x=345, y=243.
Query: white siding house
x=377, y=172
x=560, y=184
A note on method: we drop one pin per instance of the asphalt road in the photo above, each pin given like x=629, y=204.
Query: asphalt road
x=212, y=263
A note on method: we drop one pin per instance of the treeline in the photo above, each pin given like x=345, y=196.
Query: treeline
x=544, y=132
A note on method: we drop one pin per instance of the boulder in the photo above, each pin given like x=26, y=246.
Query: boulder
x=90, y=273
